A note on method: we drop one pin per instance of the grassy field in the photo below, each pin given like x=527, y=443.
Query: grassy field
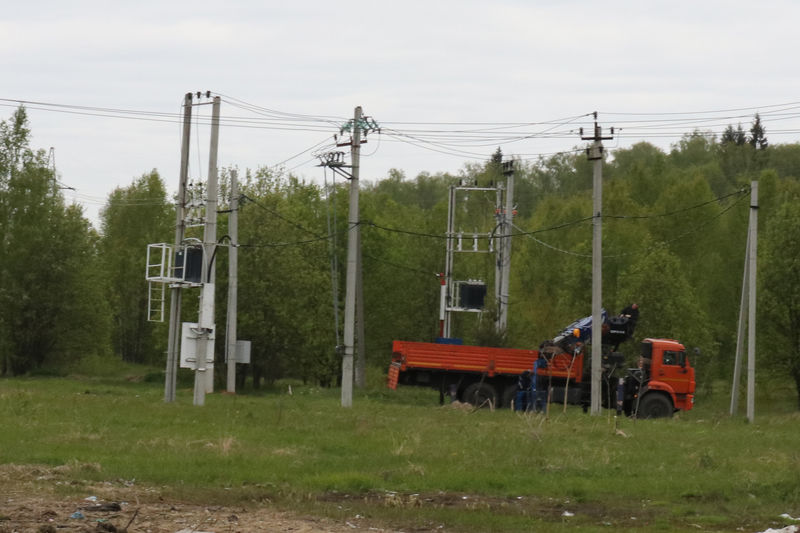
x=402, y=461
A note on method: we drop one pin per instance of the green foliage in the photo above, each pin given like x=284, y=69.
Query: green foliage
x=643, y=167
x=735, y=136
x=780, y=277
x=134, y=217
x=784, y=159
x=51, y=307
x=401, y=294
x=563, y=174
x=693, y=150
x=758, y=138
x=680, y=315
x=284, y=278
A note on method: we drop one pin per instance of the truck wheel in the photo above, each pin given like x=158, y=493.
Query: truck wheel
x=509, y=395
x=655, y=406
x=480, y=395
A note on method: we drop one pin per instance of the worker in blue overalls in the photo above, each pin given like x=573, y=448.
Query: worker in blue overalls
x=538, y=388
x=522, y=399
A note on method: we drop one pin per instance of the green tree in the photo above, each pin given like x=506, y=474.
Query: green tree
x=497, y=157
x=134, y=217
x=51, y=309
x=779, y=265
x=784, y=159
x=667, y=300
x=734, y=136
x=564, y=174
x=551, y=269
x=694, y=150
x=284, y=280
x=401, y=289
x=758, y=138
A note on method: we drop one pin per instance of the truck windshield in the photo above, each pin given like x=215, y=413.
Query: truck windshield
x=674, y=358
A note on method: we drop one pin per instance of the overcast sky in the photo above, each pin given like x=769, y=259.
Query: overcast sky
x=545, y=64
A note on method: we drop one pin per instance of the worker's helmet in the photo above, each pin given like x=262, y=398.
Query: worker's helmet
x=576, y=332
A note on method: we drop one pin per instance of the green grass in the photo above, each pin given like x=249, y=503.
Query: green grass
x=398, y=458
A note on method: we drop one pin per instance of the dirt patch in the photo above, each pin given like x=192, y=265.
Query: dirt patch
x=40, y=499
x=33, y=501
x=543, y=508
x=46, y=515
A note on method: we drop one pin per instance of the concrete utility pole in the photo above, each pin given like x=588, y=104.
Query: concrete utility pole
x=354, y=299
x=445, y=317
x=361, y=343
x=505, y=268
x=233, y=284
x=498, y=236
x=174, y=336
x=737, y=364
x=749, y=306
x=352, y=260
x=595, y=154
x=203, y=378
x=751, y=321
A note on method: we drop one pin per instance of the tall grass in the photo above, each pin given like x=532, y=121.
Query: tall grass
x=400, y=458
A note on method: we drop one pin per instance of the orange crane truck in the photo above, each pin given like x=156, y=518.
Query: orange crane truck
x=663, y=381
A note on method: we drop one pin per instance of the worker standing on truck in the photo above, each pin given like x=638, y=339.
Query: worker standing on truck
x=621, y=327
x=538, y=390
x=632, y=314
x=522, y=400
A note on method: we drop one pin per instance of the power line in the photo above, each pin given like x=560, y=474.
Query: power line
x=310, y=148
x=479, y=237
x=705, y=112
x=462, y=140
x=271, y=112
x=401, y=267
x=547, y=245
x=742, y=191
x=530, y=234
x=278, y=215
x=275, y=119
x=285, y=244
x=156, y=116
x=659, y=245
x=522, y=232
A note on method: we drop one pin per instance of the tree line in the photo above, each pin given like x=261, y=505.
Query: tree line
x=674, y=231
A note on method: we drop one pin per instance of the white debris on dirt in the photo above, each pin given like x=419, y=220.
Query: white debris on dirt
x=787, y=529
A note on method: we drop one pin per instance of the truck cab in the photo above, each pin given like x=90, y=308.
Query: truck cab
x=662, y=383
